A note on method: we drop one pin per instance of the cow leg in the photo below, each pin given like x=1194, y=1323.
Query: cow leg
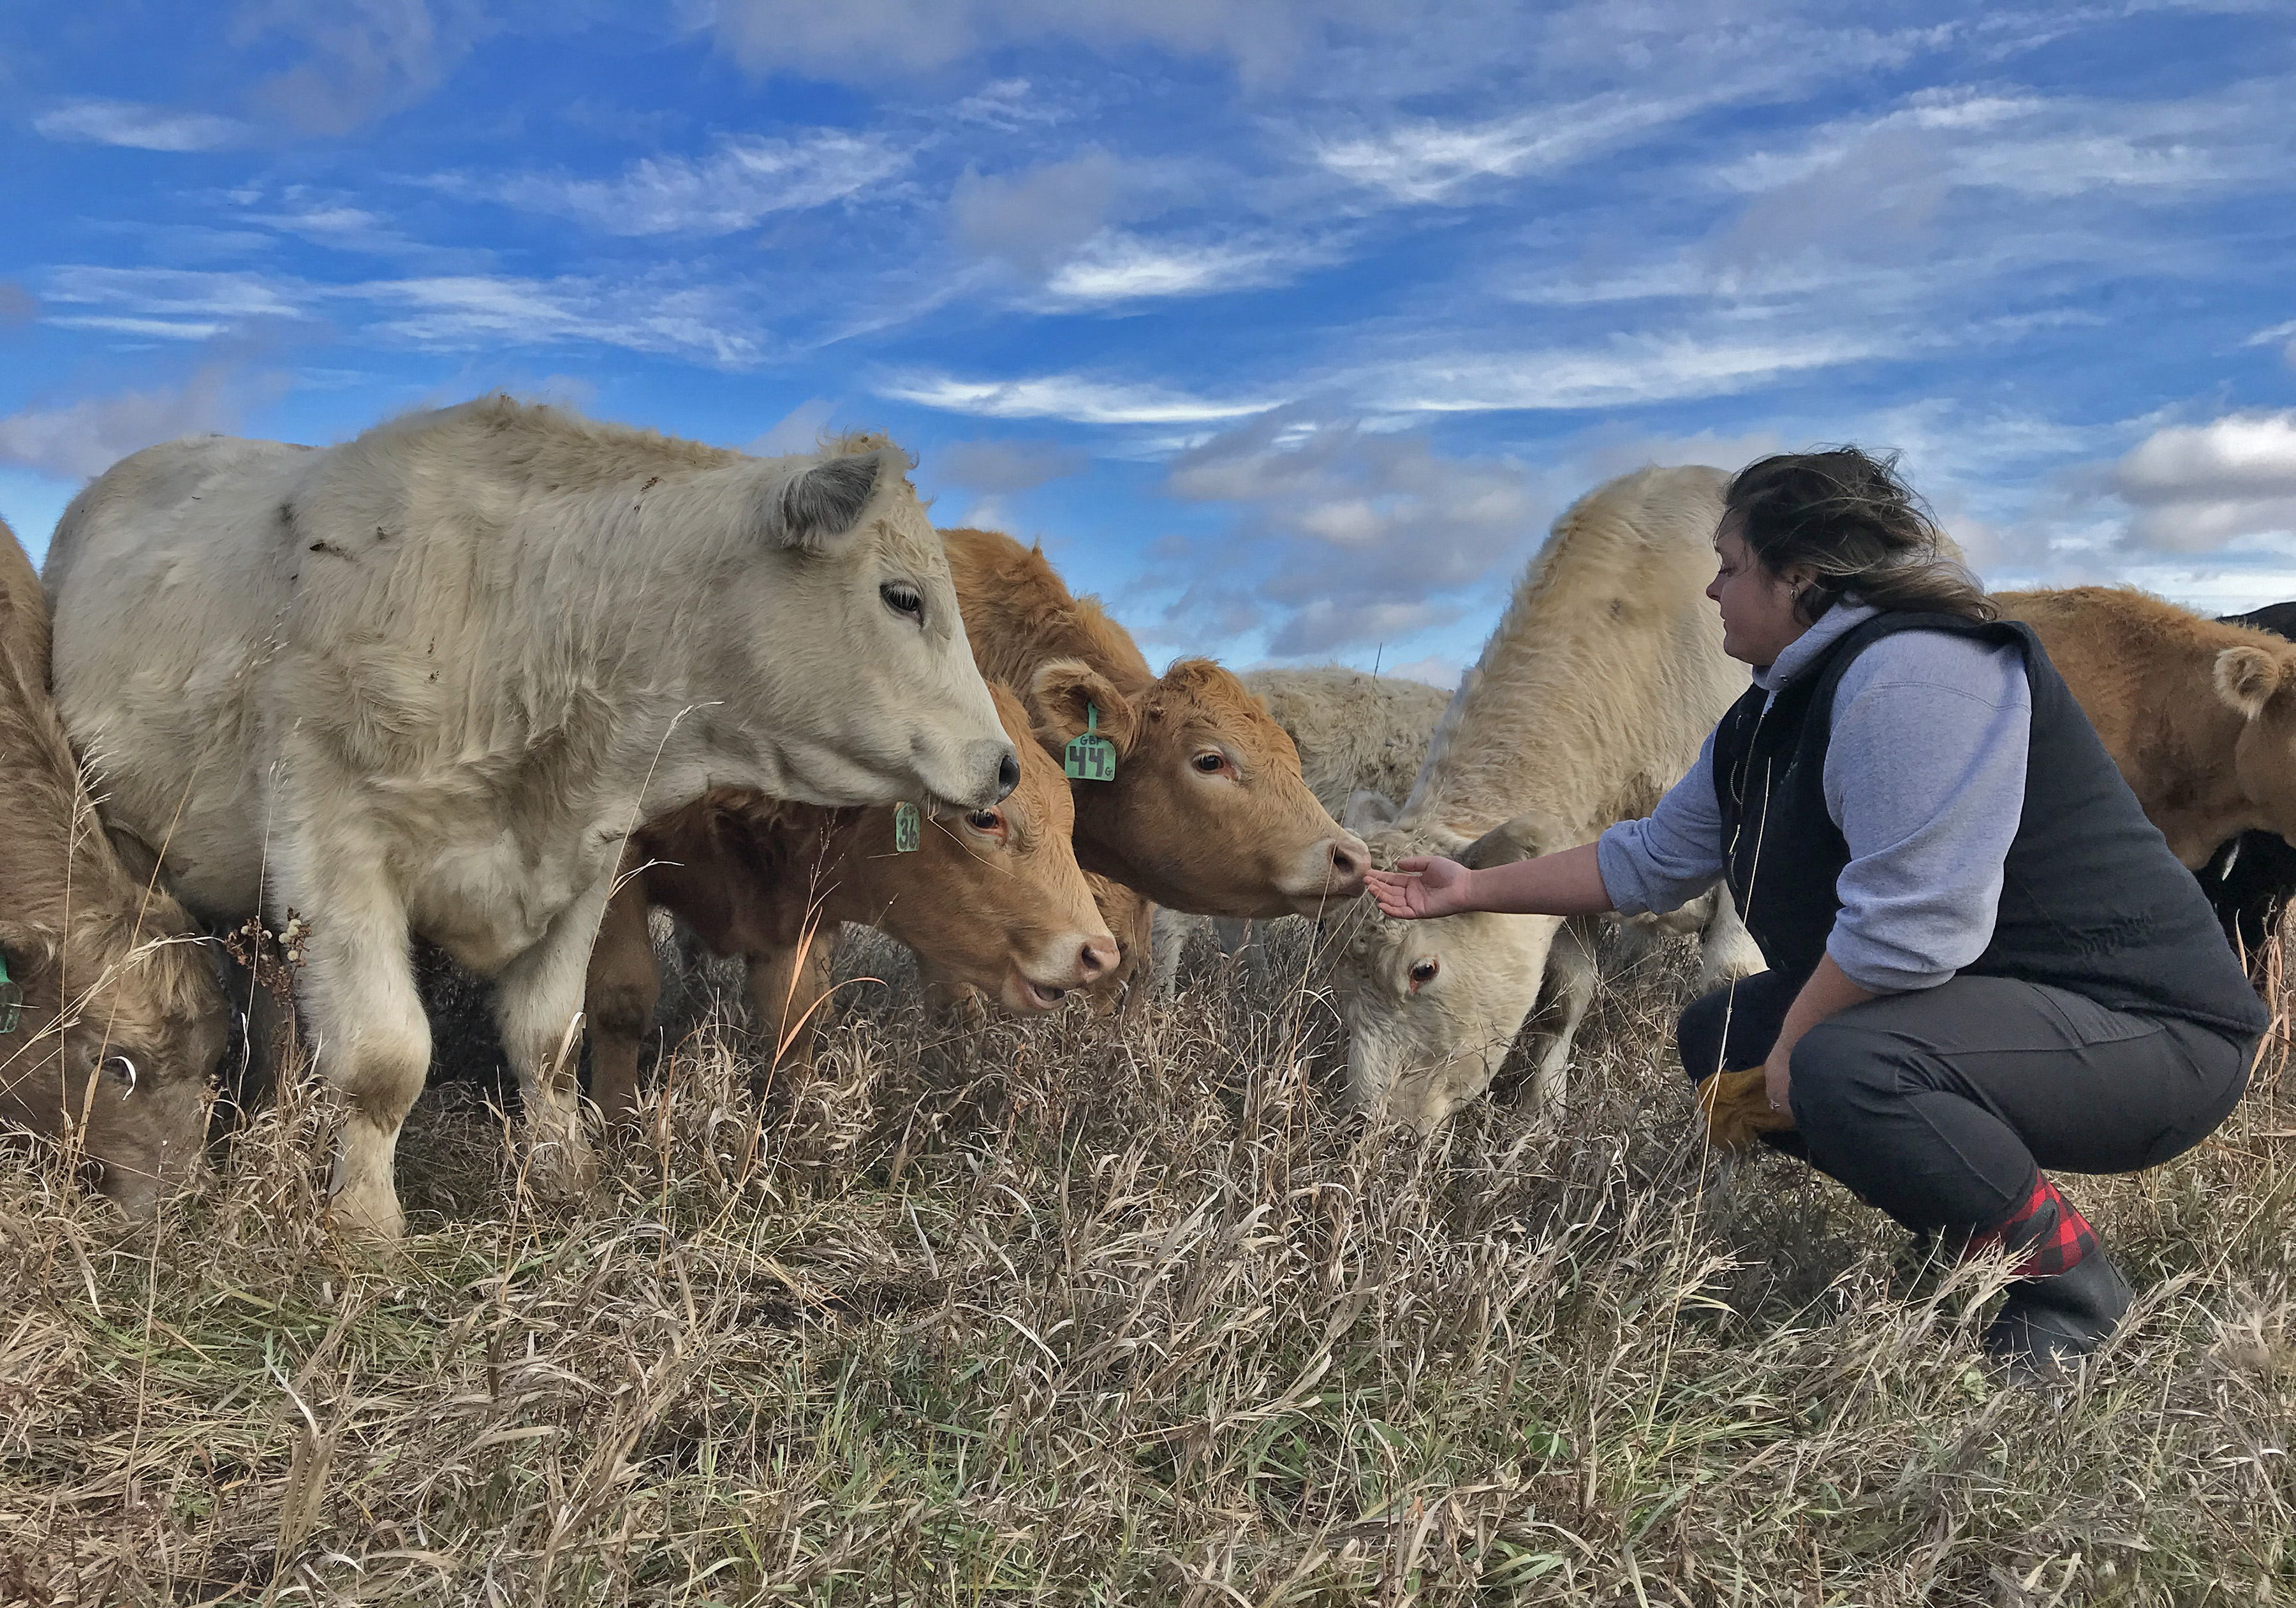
x=538, y=1001
x=1570, y=966
x=372, y=1037
x=1726, y=949
x=623, y=987
x=787, y=987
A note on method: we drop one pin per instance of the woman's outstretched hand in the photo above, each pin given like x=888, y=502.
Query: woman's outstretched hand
x=1422, y=886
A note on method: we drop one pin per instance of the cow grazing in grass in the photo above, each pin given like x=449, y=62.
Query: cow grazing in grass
x=1591, y=698
x=426, y=683
x=990, y=899
x=121, y=1020
x=1207, y=812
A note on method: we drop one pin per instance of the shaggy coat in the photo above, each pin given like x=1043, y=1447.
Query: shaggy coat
x=123, y=1020
x=1208, y=812
x=427, y=682
x=1355, y=731
x=1590, y=699
x=2199, y=714
x=991, y=899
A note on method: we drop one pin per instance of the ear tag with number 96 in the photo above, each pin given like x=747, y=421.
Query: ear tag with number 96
x=908, y=830
x=1090, y=756
x=11, y=1000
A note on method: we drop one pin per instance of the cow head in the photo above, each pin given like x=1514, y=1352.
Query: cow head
x=123, y=1020
x=1208, y=812
x=992, y=898
x=1432, y=1006
x=2259, y=682
x=855, y=639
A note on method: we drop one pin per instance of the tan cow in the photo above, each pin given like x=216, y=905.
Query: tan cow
x=1590, y=699
x=1208, y=812
x=990, y=899
x=425, y=684
x=2199, y=714
x=122, y=1020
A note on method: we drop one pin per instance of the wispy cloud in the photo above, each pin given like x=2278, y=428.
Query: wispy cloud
x=1070, y=397
x=75, y=439
x=743, y=182
x=466, y=311
x=1115, y=267
x=139, y=126
x=1630, y=372
x=359, y=59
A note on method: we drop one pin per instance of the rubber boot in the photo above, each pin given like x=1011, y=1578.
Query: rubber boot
x=2050, y=1322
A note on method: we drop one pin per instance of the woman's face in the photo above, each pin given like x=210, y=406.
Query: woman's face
x=1758, y=607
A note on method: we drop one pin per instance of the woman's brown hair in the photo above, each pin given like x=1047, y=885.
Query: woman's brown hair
x=1845, y=514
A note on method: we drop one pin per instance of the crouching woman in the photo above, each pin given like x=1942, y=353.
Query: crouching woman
x=1984, y=961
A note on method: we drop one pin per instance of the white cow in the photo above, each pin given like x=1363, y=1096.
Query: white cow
x=1590, y=699
x=426, y=682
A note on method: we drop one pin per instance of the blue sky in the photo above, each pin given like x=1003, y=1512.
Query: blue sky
x=1286, y=326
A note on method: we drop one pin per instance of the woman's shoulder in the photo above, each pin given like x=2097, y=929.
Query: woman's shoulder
x=1987, y=666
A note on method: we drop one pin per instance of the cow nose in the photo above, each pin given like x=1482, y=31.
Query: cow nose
x=1008, y=773
x=1348, y=861
x=1098, y=958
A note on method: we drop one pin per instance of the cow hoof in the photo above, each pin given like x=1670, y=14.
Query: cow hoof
x=559, y=1164
x=367, y=1212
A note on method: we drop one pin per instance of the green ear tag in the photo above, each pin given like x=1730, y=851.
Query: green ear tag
x=1090, y=756
x=11, y=1000
x=909, y=828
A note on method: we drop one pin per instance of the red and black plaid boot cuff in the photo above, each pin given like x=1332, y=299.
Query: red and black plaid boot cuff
x=2048, y=1232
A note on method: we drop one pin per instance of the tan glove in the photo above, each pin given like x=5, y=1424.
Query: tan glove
x=1737, y=1107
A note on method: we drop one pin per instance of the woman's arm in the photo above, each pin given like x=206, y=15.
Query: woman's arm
x=1568, y=883
x=1828, y=992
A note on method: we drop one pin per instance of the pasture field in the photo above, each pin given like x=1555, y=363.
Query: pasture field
x=1117, y=1312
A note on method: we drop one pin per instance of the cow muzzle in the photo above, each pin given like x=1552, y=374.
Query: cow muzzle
x=1330, y=873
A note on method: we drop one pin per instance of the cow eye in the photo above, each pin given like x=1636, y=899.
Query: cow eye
x=1423, y=973
x=902, y=598
x=984, y=821
x=121, y=1070
x=1213, y=763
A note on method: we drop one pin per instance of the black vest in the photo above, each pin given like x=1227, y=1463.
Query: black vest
x=2092, y=901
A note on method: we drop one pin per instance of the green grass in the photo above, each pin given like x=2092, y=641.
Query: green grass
x=1118, y=1312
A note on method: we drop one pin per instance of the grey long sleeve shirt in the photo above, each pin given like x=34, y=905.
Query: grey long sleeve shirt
x=1924, y=776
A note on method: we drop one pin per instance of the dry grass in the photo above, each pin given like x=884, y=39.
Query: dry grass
x=1083, y=1312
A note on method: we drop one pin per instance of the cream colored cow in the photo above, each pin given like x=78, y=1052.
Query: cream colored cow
x=1590, y=699
x=426, y=683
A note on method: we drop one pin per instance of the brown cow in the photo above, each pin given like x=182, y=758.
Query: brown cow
x=122, y=1019
x=990, y=899
x=1207, y=812
x=2199, y=714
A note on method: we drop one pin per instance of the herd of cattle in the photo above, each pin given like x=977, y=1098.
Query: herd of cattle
x=507, y=680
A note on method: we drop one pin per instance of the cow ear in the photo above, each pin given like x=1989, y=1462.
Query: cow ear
x=1059, y=694
x=2248, y=676
x=811, y=509
x=1525, y=837
x=1367, y=812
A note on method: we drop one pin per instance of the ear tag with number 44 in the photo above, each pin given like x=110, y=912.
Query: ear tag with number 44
x=908, y=828
x=1090, y=756
x=11, y=1000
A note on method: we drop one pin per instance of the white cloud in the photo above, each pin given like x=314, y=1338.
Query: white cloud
x=1632, y=371
x=362, y=59
x=459, y=311
x=77, y=439
x=743, y=182
x=138, y=127
x=1115, y=267
x=196, y=303
x=148, y=329
x=1070, y=397
x=1033, y=218
x=863, y=40
x=2198, y=486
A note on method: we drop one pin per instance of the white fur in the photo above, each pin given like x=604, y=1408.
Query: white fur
x=427, y=681
x=1589, y=701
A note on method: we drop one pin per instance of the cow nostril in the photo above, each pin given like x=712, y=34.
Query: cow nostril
x=1098, y=956
x=1008, y=773
x=1346, y=861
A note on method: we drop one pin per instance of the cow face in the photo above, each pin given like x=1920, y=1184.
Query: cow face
x=992, y=898
x=122, y=1026
x=1432, y=1006
x=2260, y=683
x=881, y=699
x=1207, y=812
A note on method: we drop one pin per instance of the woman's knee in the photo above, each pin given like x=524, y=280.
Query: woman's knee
x=1839, y=1075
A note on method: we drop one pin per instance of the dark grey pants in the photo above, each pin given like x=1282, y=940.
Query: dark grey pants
x=1939, y=1106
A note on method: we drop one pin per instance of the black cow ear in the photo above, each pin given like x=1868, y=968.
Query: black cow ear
x=811, y=509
